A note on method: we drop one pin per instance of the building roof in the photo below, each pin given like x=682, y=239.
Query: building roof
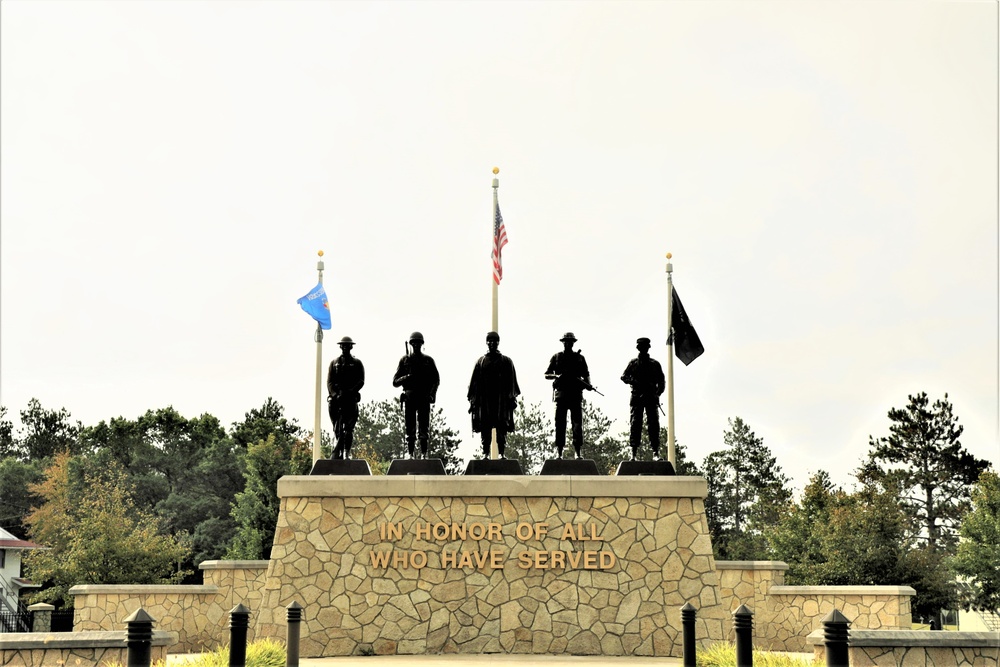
x=8, y=541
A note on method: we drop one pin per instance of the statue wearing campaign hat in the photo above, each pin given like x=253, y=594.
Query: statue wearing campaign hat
x=645, y=377
x=570, y=376
x=344, y=381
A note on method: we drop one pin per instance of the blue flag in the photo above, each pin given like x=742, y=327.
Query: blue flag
x=316, y=305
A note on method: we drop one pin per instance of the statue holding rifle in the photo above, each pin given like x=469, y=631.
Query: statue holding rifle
x=570, y=376
x=418, y=376
x=645, y=377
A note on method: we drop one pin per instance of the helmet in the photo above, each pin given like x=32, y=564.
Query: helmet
x=493, y=335
x=568, y=336
x=640, y=342
x=346, y=340
x=416, y=336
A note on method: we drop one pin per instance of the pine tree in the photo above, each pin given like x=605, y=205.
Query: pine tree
x=923, y=457
x=746, y=494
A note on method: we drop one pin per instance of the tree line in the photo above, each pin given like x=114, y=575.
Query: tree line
x=146, y=500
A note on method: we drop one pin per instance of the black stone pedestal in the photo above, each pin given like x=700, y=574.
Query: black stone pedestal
x=494, y=467
x=416, y=467
x=659, y=468
x=341, y=467
x=570, y=467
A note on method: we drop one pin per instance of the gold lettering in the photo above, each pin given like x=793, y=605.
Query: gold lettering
x=482, y=557
x=448, y=558
x=477, y=531
x=523, y=531
x=380, y=558
x=590, y=560
x=465, y=560
x=524, y=560
x=494, y=531
x=541, y=530
x=567, y=533
x=420, y=556
x=558, y=559
x=399, y=558
x=496, y=560
x=609, y=562
x=423, y=530
x=395, y=531
x=440, y=531
x=574, y=558
x=541, y=560
x=458, y=531
x=593, y=533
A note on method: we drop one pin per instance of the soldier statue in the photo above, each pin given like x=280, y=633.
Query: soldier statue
x=568, y=371
x=344, y=381
x=493, y=393
x=645, y=377
x=418, y=376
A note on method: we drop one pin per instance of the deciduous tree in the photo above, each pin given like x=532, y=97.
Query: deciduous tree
x=95, y=533
x=255, y=509
x=977, y=559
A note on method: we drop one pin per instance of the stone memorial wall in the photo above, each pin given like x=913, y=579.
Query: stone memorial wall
x=411, y=565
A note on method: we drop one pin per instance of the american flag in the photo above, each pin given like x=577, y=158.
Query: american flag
x=499, y=241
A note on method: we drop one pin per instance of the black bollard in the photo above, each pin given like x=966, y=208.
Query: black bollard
x=743, y=623
x=835, y=637
x=294, y=617
x=239, y=623
x=139, y=638
x=688, y=613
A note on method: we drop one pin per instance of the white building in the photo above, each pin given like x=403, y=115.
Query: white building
x=11, y=581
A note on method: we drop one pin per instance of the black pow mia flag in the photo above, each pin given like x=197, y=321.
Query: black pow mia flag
x=687, y=345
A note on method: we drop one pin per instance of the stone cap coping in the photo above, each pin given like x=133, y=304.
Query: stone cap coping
x=841, y=590
x=148, y=589
x=233, y=565
x=751, y=565
x=41, y=606
x=926, y=638
x=485, y=486
x=73, y=640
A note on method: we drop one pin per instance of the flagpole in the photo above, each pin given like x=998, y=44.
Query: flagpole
x=317, y=424
x=671, y=449
x=494, y=450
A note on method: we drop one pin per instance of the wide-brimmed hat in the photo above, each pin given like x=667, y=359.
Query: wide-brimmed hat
x=567, y=336
x=346, y=340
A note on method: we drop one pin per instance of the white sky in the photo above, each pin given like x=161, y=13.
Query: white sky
x=825, y=174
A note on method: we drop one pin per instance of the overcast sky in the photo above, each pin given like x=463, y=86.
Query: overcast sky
x=824, y=173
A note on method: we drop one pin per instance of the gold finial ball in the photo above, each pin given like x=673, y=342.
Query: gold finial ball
x=496, y=170
x=669, y=255
x=320, y=253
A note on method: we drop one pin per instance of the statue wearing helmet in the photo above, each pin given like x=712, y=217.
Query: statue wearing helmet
x=418, y=376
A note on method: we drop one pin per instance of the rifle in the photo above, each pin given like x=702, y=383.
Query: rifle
x=586, y=385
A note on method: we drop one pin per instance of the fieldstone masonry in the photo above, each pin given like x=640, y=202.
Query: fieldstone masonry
x=416, y=564
x=411, y=565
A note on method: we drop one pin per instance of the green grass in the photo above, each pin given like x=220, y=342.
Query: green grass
x=260, y=653
x=724, y=655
